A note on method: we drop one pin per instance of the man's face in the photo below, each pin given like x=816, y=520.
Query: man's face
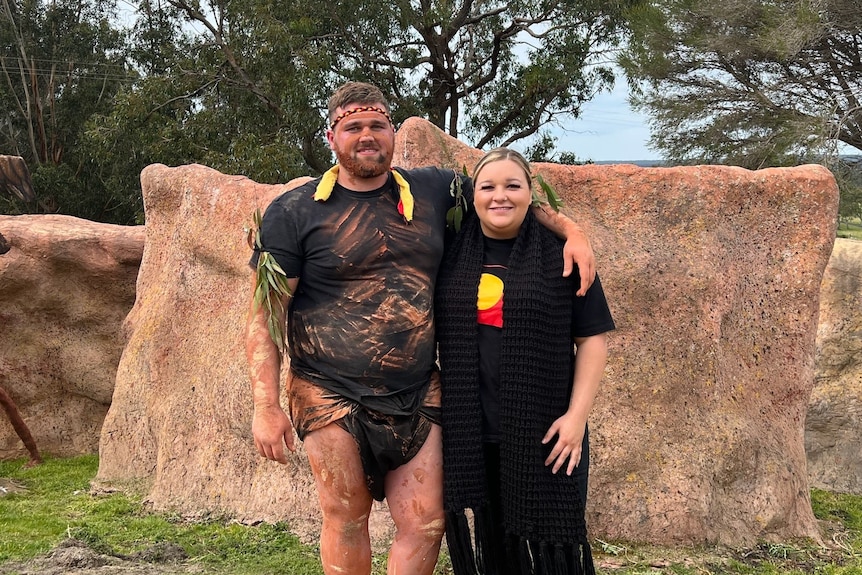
x=363, y=142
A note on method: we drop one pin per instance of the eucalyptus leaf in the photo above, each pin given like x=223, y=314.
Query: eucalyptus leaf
x=553, y=199
x=271, y=287
x=455, y=214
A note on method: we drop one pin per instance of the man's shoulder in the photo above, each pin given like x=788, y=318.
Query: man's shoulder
x=431, y=182
x=303, y=189
x=427, y=174
x=297, y=194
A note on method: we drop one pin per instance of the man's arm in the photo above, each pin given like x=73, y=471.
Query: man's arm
x=577, y=250
x=271, y=427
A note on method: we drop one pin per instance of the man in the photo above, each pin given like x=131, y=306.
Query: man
x=361, y=248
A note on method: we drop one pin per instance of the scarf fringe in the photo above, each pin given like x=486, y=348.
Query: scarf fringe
x=460, y=546
x=545, y=558
x=488, y=549
x=521, y=555
x=524, y=555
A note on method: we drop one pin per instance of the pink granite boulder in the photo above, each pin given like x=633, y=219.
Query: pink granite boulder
x=712, y=273
x=65, y=286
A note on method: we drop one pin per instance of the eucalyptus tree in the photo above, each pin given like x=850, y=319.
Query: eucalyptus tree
x=749, y=82
x=488, y=72
x=61, y=62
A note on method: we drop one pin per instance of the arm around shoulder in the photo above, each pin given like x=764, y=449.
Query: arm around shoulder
x=577, y=251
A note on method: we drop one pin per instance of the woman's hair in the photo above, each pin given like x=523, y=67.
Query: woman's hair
x=359, y=93
x=498, y=154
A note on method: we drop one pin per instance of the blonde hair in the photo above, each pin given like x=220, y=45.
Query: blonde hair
x=498, y=154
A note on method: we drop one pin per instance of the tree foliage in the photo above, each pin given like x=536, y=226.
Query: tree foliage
x=61, y=63
x=748, y=82
x=848, y=174
x=242, y=86
x=488, y=72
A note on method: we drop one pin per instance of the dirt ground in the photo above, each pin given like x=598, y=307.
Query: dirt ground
x=73, y=557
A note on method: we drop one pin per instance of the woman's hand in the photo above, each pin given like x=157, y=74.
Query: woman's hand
x=569, y=429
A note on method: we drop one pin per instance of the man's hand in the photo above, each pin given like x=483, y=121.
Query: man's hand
x=272, y=430
x=270, y=427
x=578, y=252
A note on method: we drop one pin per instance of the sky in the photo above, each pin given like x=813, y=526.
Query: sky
x=608, y=130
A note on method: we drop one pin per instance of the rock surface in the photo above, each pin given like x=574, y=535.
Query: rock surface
x=712, y=273
x=181, y=413
x=65, y=286
x=713, y=276
x=833, y=428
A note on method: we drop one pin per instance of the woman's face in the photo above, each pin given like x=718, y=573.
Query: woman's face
x=501, y=199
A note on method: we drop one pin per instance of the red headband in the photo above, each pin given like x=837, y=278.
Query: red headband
x=356, y=111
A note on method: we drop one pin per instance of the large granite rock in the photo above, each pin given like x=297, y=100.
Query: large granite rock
x=65, y=286
x=833, y=428
x=712, y=274
x=180, y=421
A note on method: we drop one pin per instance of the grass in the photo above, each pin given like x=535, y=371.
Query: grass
x=851, y=229
x=55, y=503
x=49, y=503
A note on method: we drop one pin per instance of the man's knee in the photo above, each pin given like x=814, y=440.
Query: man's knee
x=348, y=525
x=351, y=512
x=427, y=524
x=434, y=528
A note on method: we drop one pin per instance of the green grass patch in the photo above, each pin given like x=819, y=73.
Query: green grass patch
x=44, y=505
x=840, y=517
x=52, y=502
x=851, y=229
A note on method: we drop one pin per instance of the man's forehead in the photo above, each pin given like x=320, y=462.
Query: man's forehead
x=360, y=111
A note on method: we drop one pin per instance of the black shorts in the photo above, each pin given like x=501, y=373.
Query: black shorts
x=385, y=442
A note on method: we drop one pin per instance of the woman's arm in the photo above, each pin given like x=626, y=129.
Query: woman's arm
x=590, y=361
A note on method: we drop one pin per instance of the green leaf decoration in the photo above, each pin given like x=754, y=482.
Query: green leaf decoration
x=552, y=200
x=270, y=288
x=450, y=218
x=455, y=214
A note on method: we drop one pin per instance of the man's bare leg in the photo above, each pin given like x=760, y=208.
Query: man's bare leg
x=345, y=502
x=414, y=492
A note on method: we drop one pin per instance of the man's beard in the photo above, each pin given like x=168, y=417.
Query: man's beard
x=370, y=168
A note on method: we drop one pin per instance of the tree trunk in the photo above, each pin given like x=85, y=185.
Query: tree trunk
x=20, y=427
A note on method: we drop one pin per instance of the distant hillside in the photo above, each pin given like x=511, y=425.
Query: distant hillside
x=853, y=160
x=641, y=163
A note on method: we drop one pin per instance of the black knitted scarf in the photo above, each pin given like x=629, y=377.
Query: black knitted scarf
x=543, y=514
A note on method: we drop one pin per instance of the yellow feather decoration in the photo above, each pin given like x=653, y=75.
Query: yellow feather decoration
x=404, y=194
x=327, y=183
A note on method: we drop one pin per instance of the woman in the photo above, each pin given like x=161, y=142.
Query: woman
x=515, y=395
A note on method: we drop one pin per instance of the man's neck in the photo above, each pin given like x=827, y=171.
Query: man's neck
x=357, y=184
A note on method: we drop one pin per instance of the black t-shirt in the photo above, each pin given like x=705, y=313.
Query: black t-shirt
x=361, y=321
x=590, y=316
x=490, y=318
